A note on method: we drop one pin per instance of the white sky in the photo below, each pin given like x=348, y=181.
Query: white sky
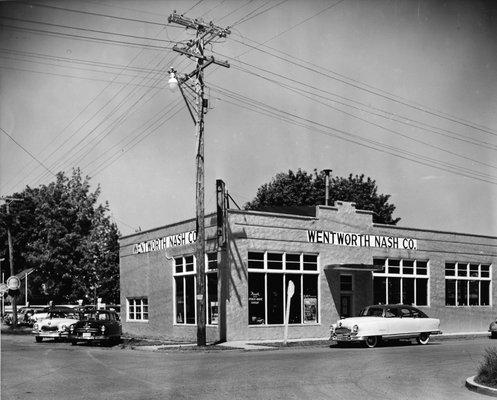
x=402, y=91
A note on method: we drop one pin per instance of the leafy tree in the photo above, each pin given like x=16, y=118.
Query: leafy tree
x=61, y=231
x=308, y=189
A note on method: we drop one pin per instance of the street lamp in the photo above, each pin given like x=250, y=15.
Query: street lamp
x=172, y=82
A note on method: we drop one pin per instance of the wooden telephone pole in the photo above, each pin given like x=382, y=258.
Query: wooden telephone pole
x=205, y=33
x=9, y=200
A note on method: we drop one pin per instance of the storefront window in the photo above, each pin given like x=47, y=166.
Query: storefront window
x=400, y=281
x=470, y=286
x=185, y=289
x=268, y=279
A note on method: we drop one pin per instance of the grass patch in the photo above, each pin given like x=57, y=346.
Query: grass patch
x=487, y=371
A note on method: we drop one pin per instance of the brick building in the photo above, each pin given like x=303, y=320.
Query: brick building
x=337, y=259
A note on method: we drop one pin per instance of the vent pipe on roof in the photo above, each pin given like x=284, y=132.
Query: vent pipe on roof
x=327, y=186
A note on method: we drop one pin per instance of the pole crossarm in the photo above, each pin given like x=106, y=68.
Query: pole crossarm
x=198, y=25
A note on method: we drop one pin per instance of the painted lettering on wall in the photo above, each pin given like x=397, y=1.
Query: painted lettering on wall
x=180, y=239
x=361, y=240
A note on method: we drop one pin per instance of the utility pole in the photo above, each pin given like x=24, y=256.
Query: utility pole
x=9, y=200
x=194, y=49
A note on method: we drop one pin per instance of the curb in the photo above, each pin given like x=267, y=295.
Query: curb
x=476, y=387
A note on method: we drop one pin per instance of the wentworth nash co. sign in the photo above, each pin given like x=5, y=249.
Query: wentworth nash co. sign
x=162, y=243
x=361, y=240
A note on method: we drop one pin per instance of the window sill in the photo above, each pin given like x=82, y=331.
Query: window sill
x=283, y=325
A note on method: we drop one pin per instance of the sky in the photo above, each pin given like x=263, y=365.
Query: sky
x=404, y=92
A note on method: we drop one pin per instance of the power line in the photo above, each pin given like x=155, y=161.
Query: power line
x=91, y=13
x=388, y=149
x=27, y=151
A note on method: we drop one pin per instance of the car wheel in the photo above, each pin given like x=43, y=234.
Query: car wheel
x=372, y=341
x=38, y=339
x=493, y=335
x=423, y=338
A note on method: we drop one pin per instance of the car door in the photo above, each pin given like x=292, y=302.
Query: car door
x=394, y=321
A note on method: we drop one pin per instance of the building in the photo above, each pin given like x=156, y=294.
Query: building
x=337, y=259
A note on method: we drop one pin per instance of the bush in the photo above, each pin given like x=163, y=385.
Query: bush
x=487, y=371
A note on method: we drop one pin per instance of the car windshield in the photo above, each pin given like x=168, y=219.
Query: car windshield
x=64, y=314
x=97, y=316
x=372, y=312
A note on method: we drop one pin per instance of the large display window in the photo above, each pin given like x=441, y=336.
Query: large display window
x=467, y=284
x=269, y=274
x=401, y=281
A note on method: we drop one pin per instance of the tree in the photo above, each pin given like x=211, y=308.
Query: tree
x=60, y=230
x=308, y=189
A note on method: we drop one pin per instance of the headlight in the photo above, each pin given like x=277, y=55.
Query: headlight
x=35, y=326
x=63, y=327
x=71, y=328
x=102, y=328
x=355, y=329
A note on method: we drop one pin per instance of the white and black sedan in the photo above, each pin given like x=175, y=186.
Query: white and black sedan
x=385, y=322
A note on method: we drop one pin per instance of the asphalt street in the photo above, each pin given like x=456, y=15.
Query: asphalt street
x=52, y=370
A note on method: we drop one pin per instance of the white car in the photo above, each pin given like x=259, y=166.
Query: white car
x=384, y=322
x=56, y=324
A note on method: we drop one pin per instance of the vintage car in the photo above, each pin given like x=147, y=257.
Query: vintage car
x=385, y=322
x=102, y=326
x=55, y=324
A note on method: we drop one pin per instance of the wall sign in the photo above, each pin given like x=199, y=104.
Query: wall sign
x=361, y=240
x=162, y=243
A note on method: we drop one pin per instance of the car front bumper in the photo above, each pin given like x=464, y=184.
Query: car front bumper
x=89, y=338
x=53, y=335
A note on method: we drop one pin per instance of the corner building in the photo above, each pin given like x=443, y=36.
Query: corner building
x=336, y=258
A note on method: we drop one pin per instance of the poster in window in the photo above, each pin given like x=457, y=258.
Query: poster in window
x=310, y=309
x=256, y=307
x=214, y=312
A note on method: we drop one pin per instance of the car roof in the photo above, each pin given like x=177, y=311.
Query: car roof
x=392, y=306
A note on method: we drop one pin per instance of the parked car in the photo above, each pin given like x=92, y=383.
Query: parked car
x=25, y=314
x=385, y=322
x=102, y=326
x=56, y=323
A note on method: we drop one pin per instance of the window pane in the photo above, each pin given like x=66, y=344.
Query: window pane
x=473, y=270
x=255, y=260
x=394, y=290
x=292, y=261
x=462, y=293
x=274, y=261
x=408, y=267
x=473, y=293
x=178, y=262
x=485, y=293
x=256, y=306
x=189, y=267
x=393, y=266
x=211, y=261
x=408, y=291
x=380, y=262
x=295, y=316
x=485, y=271
x=422, y=292
x=274, y=299
x=190, y=299
x=310, y=262
x=310, y=291
x=212, y=306
x=450, y=269
x=379, y=290
x=422, y=267
x=462, y=269
x=180, y=300
x=346, y=283
x=450, y=292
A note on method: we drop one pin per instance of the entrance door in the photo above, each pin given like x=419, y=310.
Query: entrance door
x=346, y=305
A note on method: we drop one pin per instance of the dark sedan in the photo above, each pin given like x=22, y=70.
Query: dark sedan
x=102, y=326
